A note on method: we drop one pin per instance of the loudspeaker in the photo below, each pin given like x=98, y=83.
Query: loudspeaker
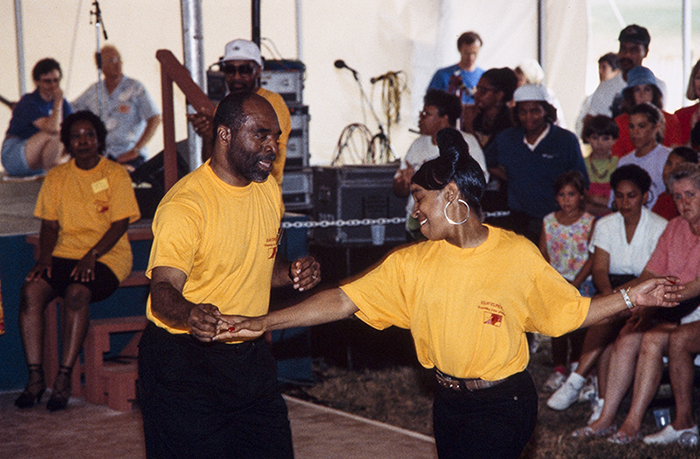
x=356, y=193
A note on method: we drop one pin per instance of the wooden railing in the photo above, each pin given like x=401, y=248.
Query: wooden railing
x=171, y=71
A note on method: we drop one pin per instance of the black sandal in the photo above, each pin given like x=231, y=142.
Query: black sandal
x=60, y=395
x=34, y=389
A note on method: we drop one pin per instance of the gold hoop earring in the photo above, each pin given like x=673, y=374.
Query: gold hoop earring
x=452, y=222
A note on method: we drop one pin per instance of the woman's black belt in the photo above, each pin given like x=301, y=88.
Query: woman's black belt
x=469, y=384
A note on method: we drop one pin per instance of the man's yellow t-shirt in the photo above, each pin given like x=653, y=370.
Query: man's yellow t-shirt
x=468, y=309
x=224, y=238
x=86, y=203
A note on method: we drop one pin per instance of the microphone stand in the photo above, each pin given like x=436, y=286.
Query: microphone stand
x=381, y=136
x=98, y=54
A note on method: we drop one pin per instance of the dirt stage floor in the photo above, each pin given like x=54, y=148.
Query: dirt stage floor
x=89, y=431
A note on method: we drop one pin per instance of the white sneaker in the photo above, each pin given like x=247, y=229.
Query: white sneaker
x=567, y=394
x=597, y=405
x=667, y=435
x=554, y=381
x=589, y=392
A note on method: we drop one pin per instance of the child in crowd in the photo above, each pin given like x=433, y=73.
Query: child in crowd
x=664, y=205
x=564, y=244
x=601, y=132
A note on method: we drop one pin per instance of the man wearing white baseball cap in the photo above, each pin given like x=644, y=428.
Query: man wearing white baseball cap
x=530, y=157
x=242, y=64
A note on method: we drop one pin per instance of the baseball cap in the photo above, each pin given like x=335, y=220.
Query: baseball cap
x=242, y=50
x=528, y=92
x=640, y=75
x=635, y=34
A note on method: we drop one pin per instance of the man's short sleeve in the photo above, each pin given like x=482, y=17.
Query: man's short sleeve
x=176, y=230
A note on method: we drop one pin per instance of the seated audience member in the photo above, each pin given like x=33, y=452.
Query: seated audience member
x=85, y=207
x=461, y=78
x=642, y=88
x=129, y=113
x=530, y=72
x=689, y=116
x=440, y=110
x=664, y=205
x=621, y=245
x=32, y=145
x=608, y=68
x=600, y=132
x=530, y=156
x=645, y=126
x=684, y=340
x=645, y=337
x=564, y=244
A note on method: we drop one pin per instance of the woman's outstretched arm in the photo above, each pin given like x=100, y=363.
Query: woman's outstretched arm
x=323, y=307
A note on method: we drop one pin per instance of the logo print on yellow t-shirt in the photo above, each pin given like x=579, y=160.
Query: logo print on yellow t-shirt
x=101, y=206
x=491, y=318
x=272, y=245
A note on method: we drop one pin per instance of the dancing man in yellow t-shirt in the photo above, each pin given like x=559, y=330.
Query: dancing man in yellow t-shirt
x=214, y=252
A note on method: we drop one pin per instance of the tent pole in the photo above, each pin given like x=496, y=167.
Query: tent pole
x=193, y=50
x=541, y=28
x=687, y=65
x=255, y=16
x=20, y=48
x=300, y=48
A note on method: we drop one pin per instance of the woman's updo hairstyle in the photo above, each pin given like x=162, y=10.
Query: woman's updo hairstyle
x=633, y=174
x=454, y=164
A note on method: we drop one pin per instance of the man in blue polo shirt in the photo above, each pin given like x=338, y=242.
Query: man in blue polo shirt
x=461, y=78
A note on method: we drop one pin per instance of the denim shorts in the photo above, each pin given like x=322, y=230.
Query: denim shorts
x=14, y=161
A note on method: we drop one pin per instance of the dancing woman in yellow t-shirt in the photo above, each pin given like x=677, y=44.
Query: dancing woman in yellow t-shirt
x=468, y=294
x=85, y=207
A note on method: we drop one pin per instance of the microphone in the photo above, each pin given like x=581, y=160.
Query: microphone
x=383, y=77
x=340, y=64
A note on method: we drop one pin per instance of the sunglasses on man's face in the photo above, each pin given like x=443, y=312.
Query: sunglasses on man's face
x=243, y=70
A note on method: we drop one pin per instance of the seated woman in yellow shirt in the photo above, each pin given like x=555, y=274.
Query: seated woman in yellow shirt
x=85, y=207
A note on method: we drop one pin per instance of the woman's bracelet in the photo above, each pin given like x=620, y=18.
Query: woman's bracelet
x=626, y=297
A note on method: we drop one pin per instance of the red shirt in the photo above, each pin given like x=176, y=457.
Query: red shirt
x=685, y=116
x=672, y=134
x=665, y=206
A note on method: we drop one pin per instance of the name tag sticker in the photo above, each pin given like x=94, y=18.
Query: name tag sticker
x=100, y=185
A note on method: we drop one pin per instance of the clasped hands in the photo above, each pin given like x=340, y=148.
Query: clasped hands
x=207, y=323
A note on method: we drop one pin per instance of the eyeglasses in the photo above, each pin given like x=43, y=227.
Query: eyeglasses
x=423, y=114
x=243, y=70
x=49, y=80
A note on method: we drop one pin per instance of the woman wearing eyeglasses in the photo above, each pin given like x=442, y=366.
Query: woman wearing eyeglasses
x=32, y=145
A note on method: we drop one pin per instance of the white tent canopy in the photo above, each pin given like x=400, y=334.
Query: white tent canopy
x=415, y=36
